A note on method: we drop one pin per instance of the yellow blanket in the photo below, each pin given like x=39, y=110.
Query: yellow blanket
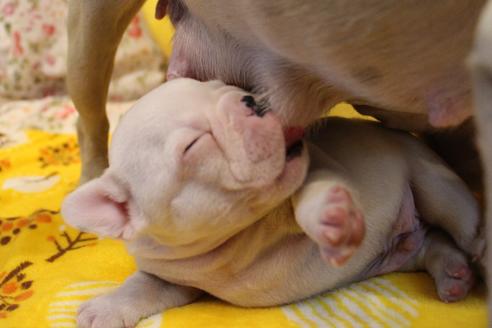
x=47, y=269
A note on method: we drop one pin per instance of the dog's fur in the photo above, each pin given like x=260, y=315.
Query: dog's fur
x=405, y=62
x=480, y=63
x=200, y=188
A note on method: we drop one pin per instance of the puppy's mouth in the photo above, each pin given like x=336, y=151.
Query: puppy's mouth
x=294, y=150
x=293, y=141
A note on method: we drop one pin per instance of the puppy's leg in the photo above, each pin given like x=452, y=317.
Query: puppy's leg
x=447, y=264
x=140, y=296
x=95, y=28
x=444, y=200
x=326, y=210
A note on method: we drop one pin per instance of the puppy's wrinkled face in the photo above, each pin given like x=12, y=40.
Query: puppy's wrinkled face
x=195, y=161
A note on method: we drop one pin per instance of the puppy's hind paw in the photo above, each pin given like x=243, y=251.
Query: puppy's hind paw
x=455, y=281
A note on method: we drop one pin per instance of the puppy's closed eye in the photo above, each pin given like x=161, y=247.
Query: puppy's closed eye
x=191, y=145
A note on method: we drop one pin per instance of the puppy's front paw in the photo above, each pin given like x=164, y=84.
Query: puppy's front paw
x=339, y=228
x=106, y=311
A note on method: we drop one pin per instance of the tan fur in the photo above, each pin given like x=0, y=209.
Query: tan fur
x=480, y=63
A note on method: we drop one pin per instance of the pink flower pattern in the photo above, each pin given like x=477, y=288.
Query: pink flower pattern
x=49, y=29
x=18, y=50
x=8, y=9
x=33, y=44
x=135, y=31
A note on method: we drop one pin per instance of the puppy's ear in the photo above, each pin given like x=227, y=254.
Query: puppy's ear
x=100, y=206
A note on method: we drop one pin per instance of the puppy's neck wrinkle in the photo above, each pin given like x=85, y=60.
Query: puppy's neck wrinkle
x=242, y=249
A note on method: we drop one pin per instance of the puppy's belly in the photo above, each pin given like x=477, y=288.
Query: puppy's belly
x=283, y=267
x=289, y=271
x=405, y=241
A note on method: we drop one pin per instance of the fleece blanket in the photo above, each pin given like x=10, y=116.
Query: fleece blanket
x=48, y=269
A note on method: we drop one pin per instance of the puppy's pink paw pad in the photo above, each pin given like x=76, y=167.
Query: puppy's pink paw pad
x=459, y=272
x=340, y=227
x=456, y=283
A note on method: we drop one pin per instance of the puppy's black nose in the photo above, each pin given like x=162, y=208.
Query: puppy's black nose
x=250, y=102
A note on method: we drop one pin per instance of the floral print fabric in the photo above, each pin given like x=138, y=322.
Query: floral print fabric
x=33, y=51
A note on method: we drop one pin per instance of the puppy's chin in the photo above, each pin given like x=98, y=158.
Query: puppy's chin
x=294, y=172
x=151, y=247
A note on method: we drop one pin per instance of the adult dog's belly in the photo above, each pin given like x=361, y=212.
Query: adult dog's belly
x=391, y=55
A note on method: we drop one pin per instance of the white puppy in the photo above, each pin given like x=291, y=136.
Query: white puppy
x=211, y=195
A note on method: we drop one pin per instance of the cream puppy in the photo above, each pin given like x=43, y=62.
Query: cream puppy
x=212, y=195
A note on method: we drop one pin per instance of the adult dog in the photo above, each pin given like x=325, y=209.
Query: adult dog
x=403, y=62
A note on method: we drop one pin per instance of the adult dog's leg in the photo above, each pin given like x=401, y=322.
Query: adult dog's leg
x=95, y=28
x=481, y=69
